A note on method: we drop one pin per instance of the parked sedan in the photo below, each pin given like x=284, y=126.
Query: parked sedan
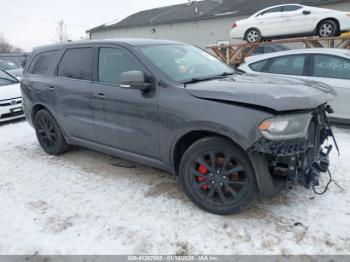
x=291, y=20
x=330, y=66
x=10, y=97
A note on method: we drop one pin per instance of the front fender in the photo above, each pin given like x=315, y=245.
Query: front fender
x=241, y=140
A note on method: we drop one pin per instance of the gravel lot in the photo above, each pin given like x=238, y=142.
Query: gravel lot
x=85, y=202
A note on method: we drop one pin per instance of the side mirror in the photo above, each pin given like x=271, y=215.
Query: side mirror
x=306, y=12
x=134, y=80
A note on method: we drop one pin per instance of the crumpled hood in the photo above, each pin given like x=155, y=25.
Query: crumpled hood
x=276, y=93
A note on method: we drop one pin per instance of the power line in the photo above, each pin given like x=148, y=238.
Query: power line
x=39, y=20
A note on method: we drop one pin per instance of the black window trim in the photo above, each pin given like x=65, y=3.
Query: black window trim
x=28, y=69
x=312, y=64
x=62, y=55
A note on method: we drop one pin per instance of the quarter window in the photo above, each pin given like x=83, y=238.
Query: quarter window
x=114, y=61
x=331, y=67
x=77, y=63
x=42, y=62
x=288, y=65
x=258, y=66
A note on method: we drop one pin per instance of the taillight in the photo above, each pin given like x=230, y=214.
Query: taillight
x=234, y=25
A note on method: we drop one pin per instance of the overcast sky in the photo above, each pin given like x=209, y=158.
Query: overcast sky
x=29, y=23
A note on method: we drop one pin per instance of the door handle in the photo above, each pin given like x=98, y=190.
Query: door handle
x=99, y=95
x=51, y=87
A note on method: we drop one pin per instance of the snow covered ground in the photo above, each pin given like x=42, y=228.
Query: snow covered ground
x=85, y=202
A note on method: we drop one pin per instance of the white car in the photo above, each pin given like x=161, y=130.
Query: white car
x=291, y=20
x=10, y=97
x=327, y=65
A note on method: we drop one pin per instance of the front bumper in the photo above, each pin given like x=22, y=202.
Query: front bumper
x=11, y=109
x=302, y=160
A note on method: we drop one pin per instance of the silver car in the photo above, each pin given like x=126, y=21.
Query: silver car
x=327, y=65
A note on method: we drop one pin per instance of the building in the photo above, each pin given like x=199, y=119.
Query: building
x=199, y=23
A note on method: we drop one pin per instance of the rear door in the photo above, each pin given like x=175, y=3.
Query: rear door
x=270, y=21
x=294, y=66
x=125, y=119
x=72, y=87
x=334, y=71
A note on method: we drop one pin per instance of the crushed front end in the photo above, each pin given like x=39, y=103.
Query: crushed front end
x=300, y=153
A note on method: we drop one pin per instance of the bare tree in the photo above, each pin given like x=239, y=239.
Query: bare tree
x=61, y=32
x=6, y=47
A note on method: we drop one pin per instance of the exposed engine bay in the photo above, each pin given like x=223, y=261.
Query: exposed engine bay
x=304, y=159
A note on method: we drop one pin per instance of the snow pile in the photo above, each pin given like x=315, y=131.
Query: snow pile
x=84, y=202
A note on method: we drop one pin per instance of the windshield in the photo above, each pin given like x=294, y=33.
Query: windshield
x=4, y=65
x=183, y=63
x=6, y=79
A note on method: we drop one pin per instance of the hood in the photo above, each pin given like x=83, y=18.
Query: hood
x=276, y=93
x=10, y=91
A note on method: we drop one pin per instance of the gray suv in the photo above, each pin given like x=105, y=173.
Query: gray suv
x=228, y=137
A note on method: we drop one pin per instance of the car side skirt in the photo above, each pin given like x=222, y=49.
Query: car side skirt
x=147, y=161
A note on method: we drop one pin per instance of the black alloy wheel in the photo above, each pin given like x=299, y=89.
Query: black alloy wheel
x=217, y=176
x=48, y=133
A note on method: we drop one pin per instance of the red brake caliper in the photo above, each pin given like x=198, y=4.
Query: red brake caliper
x=202, y=169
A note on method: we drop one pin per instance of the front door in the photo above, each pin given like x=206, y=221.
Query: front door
x=270, y=21
x=295, y=21
x=125, y=119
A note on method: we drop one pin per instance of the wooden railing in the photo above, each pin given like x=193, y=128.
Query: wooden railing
x=235, y=54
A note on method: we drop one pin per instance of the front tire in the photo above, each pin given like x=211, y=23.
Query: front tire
x=49, y=134
x=217, y=176
x=328, y=28
x=253, y=35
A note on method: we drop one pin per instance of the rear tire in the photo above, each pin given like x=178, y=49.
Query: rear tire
x=253, y=35
x=49, y=134
x=328, y=28
x=218, y=176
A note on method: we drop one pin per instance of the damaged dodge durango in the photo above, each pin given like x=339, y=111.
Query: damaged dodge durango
x=228, y=137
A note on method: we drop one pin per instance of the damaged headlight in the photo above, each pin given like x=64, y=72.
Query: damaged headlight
x=285, y=127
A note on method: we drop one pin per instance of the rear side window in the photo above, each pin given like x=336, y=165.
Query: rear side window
x=288, y=65
x=42, y=62
x=77, y=63
x=331, y=67
x=258, y=66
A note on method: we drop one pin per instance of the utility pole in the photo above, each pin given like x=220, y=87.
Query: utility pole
x=61, y=32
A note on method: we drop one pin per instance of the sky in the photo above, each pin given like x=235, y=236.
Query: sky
x=27, y=24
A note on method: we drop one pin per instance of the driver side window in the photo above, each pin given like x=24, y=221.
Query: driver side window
x=271, y=11
x=114, y=61
x=291, y=8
